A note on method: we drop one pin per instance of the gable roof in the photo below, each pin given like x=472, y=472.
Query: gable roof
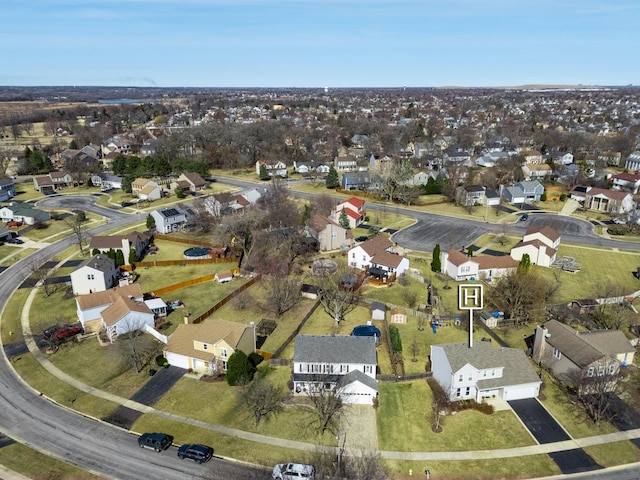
x=357, y=376
x=549, y=232
x=584, y=348
x=377, y=244
x=483, y=355
x=108, y=297
x=335, y=349
x=121, y=307
x=356, y=202
x=210, y=331
x=98, y=262
x=318, y=223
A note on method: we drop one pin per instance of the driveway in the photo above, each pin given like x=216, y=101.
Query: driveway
x=545, y=429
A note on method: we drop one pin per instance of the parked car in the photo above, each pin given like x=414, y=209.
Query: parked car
x=619, y=221
x=293, y=471
x=14, y=223
x=194, y=451
x=362, y=238
x=14, y=241
x=524, y=217
x=155, y=441
x=49, y=331
x=62, y=334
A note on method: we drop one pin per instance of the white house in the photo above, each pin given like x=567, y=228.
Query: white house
x=541, y=244
x=483, y=371
x=376, y=256
x=206, y=347
x=22, y=212
x=117, y=310
x=346, y=364
x=169, y=219
x=274, y=169
x=95, y=274
x=459, y=266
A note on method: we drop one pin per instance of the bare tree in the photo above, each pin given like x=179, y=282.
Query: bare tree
x=415, y=349
x=337, y=295
x=76, y=224
x=598, y=386
x=42, y=272
x=283, y=294
x=136, y=347
x=612, y=310
x=328, y=409
x=394, y=175
x=263, y=399
x=323, y=205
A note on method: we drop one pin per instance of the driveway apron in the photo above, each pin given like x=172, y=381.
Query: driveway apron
x=545, y=429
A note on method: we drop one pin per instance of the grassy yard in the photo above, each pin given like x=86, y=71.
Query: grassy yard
x=404, y=424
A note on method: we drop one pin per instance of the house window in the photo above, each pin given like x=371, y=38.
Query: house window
x=470, y=377
x=601, y=370
x=467, y=392
x=484, y=373
x=223, y=353
x=493, y=373
x=205, y=346
x=612, y=369
x=466, y=269
x=557, y=353
x=90, y=276
x=334, y=234
x=457, y=392
x=353, y=255
x=368, y=369
x=591, y=372
x=460, y=378
x=224, y=365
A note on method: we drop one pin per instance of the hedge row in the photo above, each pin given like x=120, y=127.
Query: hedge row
x=396, y=342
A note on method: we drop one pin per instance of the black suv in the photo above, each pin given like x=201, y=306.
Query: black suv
x=155, y=441
x=197, y=452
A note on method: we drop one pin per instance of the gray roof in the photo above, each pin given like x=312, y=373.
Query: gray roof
x=584, y=348
x=99, y=262
x=335, y=349
x=357, y=376
x=517, y=368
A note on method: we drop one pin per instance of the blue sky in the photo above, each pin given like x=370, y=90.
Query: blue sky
x=316, y=43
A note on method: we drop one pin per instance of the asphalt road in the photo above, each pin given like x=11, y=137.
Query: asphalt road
x=91, y=445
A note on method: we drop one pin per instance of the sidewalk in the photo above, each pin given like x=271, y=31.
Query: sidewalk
x=355, y=439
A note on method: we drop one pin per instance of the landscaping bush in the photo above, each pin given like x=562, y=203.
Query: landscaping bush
x=617, y=230
x=239, y=369
x=439, y=396
x=396, y=341
x=255, y=359
x=161, y=361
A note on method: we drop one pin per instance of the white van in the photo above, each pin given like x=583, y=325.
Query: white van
x=293, y=471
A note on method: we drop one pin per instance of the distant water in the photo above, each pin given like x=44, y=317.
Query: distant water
x=117, y=101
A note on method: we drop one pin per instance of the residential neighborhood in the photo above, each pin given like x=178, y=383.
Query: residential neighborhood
x=325, y=263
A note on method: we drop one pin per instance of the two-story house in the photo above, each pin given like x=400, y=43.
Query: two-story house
x=189, y=182
x=628, y=182
x=146, y=189
x=275, y=168
x=570, y=354
x=345, y=163
x=224, y=203
x=345, y=364
x=540, y=243
x=126, y=243
x=523, y=192
x=206, y=347
x=95, y=274
x=7, y=189
x=169, y=219
x=377, y=257
x=483, y=371
x=353, y=208
x=614, y=202
x=329, y=234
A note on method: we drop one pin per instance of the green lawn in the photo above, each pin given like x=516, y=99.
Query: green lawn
x=404, y=424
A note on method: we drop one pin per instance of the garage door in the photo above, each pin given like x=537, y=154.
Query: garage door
x=515, y=393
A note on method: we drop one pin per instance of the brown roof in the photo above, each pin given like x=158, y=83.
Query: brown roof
x=318, y=223
x=379, y=243
x=105, y=241
x=612, y=194
x=108, y=297
x=485, y=262
x=457, y=258
x=387, y=259
x=549, y=232
x=210, y=331
x=537, y=243
x=120, y=307
x=195, y=179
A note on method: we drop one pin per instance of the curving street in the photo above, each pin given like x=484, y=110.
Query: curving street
x=109, y=451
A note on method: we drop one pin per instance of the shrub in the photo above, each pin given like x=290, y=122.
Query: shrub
x=396, y=341
x=239, y=369
x=161, y=361
x=255, y=358
x=563, y=197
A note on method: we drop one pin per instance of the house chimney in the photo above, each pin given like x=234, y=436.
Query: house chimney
x=539, y=343
x=187, y=317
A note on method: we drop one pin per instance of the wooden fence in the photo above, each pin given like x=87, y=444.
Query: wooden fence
x=168, y=263
x=296, y=331
x=225, y=300
x=188, y=241
x=403, y=378
x=158, y=292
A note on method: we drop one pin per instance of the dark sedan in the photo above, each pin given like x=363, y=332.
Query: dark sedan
x=195, y=451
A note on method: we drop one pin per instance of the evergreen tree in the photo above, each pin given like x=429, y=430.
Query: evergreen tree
x=436, y=265
x=332, y=181
x=95, y=252
x=133, y=256
x=73, y=145
x=240, y=371
x=179, y=192
x=470, y=251
x=525, y=262
x=543, y=197
x=264, y=174
x=112, y=254
x=119, y=258
x=306, y=213
x=344, y=220
x=151, y=222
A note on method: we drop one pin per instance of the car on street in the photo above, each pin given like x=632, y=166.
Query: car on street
x=14, y=241
x=66, y=332
x=524, y=217
x=155, y=441
x=293, y=471
x=195, y=451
